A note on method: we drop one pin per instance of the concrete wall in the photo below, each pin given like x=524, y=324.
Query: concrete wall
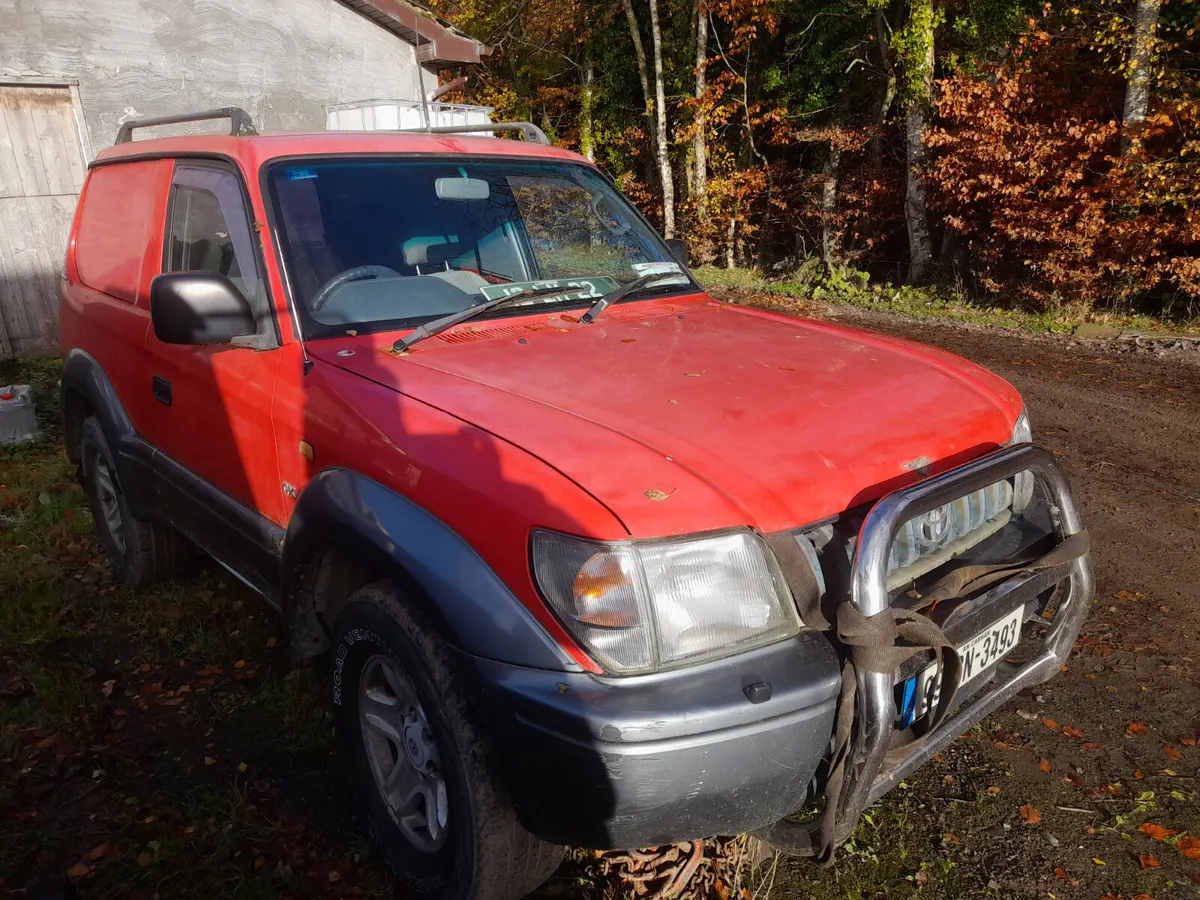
x=282, y=60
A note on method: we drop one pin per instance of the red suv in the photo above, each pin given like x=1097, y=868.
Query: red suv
x=594, y=559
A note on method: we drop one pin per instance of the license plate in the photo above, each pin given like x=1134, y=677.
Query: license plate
x=920, y=693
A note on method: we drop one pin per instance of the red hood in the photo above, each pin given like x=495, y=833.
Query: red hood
x=737, y=416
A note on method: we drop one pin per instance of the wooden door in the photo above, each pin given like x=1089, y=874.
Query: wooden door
x=41, y=173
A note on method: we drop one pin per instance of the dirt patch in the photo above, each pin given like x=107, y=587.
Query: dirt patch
x=1111, y=743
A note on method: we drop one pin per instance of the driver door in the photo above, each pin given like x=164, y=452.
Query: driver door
x=214, y=402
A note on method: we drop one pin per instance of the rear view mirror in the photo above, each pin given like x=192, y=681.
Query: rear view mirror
x=198, y=308
x=462, y=189
x=679, y=250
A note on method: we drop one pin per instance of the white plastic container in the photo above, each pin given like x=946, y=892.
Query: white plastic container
x=395, y=115
x=18, y=418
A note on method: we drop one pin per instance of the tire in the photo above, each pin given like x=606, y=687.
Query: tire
x=476, y=850
x=141, y=552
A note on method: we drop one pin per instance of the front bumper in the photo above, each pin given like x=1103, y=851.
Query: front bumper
x=877, y=761
x=612, y=763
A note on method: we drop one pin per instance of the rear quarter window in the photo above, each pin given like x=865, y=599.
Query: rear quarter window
x=117, y=223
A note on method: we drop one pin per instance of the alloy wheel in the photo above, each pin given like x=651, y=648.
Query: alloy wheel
x=402, y=754
x=110, y=507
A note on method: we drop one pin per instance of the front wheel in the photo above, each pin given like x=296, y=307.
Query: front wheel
x=418, y=762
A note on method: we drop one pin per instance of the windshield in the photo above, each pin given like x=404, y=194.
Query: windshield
x=378, y=243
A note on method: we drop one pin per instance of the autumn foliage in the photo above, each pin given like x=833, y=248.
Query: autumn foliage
x=1028, y=169
x=789, y=142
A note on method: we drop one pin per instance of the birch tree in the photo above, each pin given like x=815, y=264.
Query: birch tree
x=663, y=148
x=656, y=107
x=1141, y=56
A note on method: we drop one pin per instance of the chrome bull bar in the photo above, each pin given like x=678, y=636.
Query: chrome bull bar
x=870, y=771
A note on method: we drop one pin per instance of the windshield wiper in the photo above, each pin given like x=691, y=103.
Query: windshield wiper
x=625, y=290
x=437, y=326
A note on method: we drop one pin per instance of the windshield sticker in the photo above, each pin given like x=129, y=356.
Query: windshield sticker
x=656, y=268
x=301, y=174
x=596, y=286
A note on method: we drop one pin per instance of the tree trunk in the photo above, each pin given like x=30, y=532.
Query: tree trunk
x=639, y=51
x=662, y=151
x=889, y=92
x=1141, y=55
x=829, y=204
x=699, y=145
x=731, y=233
x=587, y=108
x=916, y=216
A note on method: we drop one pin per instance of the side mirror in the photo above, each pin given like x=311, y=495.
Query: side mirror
x=198, y=308
x=679, y=250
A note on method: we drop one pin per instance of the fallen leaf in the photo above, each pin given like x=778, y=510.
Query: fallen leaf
x=107, y=688
x=1098, y=862
x=656, y=495
x=1189, y=847
x=1155, y=831
x=208, y=760
x=1030, y=814
x=993, y=790
x=1139, y=774
x=1071, y=732
x=271, y=642
x=1188, y=742
x=1092, y=745
x=144, y=858
x=1148, y=862
x=1044, y=765
x=1050, y=723
x=240, y=664
x=1135, y=728
x=78, y=870
x=1172, y=752
x=99, y=851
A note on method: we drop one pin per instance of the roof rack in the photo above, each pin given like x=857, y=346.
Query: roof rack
x=241, y=125
x=528, y=129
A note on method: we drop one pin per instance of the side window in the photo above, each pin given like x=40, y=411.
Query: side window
x=208, y=230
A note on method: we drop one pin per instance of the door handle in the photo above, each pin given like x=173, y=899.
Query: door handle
x=162, y=390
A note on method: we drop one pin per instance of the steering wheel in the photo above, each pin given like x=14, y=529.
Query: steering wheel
x=358, y=273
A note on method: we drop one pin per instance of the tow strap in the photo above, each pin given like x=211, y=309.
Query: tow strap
x=881, y=643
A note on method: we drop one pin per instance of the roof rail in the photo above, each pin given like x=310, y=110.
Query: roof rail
x=528, y=129
x=241, y=125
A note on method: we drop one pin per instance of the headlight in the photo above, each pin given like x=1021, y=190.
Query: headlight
x=1022, y=481
x=1022, y=432
x=645, y=606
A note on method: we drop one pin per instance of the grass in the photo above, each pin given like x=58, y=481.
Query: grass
x=153, y=742
x=847, y=288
